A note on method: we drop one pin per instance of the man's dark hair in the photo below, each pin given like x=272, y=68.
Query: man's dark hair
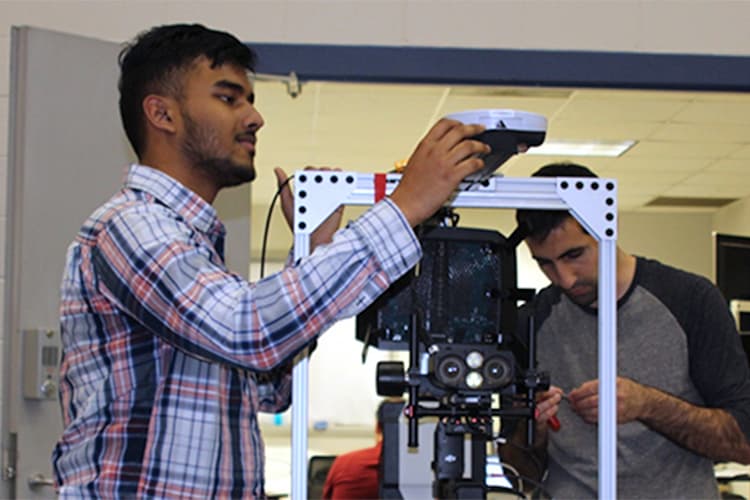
x=537, y=224
x=155, y=62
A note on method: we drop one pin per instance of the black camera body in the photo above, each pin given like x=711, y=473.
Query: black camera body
x=457, y=291
x=461, y=304
x=456, y=315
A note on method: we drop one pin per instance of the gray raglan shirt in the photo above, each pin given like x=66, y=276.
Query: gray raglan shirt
x=675, y=333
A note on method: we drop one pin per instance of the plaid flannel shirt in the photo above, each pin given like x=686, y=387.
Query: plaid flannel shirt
x=168, y=356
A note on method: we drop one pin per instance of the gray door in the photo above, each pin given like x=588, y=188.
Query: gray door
x=67, y=154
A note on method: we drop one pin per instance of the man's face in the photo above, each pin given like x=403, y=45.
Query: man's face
x=569, y=258
x=219, y=123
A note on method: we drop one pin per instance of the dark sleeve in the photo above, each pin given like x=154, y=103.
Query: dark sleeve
x=718, y=363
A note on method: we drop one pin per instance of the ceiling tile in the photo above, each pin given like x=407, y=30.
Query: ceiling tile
x=742, y=152
x=717, y=133
x=678, y=209
x=734, y=109
x=702, y=149
x=628, y=202
x=726, y=179
x=646, y=165
x=585, y=130
x=640, y=176
x=634, y=187
x=702, y=191
x=631, y=107
x=638, y=94
x=525, y=165
x=729, y=167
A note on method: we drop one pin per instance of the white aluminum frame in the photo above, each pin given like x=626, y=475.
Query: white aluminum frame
x=592, y=201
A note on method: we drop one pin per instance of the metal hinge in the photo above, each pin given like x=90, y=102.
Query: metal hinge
x=10, y=455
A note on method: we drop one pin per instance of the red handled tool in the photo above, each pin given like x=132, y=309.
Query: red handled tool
x=554, y=423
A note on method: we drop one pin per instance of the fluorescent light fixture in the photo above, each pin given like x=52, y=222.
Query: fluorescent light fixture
x=581, y=148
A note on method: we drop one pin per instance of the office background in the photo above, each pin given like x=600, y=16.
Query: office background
x=678, y=236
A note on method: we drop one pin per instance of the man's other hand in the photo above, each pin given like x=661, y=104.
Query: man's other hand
x=631, y=400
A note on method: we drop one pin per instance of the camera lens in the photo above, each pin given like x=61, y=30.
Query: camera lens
x=498, y=371
x=450, y=370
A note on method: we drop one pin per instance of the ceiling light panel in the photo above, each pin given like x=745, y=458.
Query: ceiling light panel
x=611, y=149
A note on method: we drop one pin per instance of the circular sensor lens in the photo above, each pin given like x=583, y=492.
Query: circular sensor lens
x=474, y=380
x=474, y=359
x=450, y=370
x=498, y=372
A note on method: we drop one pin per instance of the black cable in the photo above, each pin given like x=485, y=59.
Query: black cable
x=530, y=454
x=268, y=224
x=539, y=486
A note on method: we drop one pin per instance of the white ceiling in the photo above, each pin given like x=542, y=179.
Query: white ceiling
x=689, y=144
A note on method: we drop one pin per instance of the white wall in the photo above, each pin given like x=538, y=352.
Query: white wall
x=619, y=25
x=679, y=239
x=733, y=219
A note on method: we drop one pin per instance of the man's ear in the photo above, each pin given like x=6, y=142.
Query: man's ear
x=160, y=112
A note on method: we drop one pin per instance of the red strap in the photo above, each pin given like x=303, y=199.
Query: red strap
x=379, y=187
